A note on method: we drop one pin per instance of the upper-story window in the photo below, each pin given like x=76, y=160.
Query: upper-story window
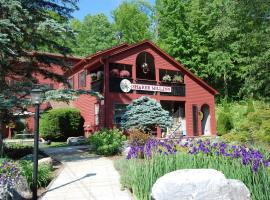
x=82, y=79
x=71, y=82
x=145, y=66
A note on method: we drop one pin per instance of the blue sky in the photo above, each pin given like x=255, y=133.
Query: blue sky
x=97, y=6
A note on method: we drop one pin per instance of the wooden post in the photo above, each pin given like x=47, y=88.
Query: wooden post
x=158, y=132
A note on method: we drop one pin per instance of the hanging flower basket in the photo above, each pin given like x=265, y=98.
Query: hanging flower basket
x=167, y=78
x=178, y=79
x=115, y=72
x=124, y=73
x=99, y=75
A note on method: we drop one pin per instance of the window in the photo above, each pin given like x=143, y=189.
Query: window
x=96, y=114
x=145, y=66
x=82, y=79
x=71, y=83
x=119, y=111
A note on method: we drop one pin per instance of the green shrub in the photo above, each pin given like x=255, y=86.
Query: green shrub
x=224, y=123
x=59, y=124
x=17, y=151
x=250, y=107
x=107, y=142
x=44, y=173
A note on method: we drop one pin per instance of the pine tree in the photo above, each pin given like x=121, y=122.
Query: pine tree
x=26, y=27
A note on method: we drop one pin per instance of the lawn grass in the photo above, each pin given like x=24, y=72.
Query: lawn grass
x=54, y=145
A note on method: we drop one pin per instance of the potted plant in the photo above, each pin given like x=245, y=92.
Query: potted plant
x=167, y=78
x=178, y=79
x=124, y=73
x=93, y=76
x=115, y=72
x=99, y=75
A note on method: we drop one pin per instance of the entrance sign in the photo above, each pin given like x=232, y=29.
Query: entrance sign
x=126, y=86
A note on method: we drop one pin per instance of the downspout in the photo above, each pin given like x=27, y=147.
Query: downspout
x=106, y=91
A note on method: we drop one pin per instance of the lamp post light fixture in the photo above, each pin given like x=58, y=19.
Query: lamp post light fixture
x=36, y=99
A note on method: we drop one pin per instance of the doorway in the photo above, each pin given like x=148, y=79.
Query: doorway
x=205, y=120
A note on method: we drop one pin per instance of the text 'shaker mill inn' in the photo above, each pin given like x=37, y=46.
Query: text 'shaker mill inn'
x=127, y=72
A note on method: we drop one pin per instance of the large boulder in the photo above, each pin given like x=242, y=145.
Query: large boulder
x=198, y=184
x=73, y=141
x=46, y=161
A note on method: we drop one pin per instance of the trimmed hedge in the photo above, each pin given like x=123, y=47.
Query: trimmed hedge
x=17, y=151
x=59, y=124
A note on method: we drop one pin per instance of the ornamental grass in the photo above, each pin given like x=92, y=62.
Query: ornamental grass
x=145, y=164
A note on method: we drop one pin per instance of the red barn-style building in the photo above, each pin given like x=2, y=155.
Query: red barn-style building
x=147, y=71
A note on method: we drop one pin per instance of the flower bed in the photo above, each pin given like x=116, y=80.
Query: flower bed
x=160, y=157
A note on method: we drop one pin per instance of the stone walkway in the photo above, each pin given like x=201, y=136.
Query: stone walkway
x=84, y=177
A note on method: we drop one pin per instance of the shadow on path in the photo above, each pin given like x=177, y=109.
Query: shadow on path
x=86, y=176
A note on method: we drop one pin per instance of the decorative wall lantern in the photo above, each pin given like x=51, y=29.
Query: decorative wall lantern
x=145, y=66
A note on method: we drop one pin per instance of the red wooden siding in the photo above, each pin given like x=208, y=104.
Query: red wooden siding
x=197, y=92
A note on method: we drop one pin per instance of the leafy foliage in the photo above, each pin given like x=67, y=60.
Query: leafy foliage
x=94, y=33
x=67, y=95
x=137, y=137
x=145, y=114
x=249, y=127
x=107, y=142
x=59, y=124
x=17, y=151
x=132, y=21
x=44, y=173
x=224, y=42
x=250, y=107
x=224, y=122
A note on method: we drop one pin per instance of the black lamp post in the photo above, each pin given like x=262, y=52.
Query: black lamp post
x=36, y=101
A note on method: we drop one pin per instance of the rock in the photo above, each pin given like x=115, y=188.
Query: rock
x=73, y=141
x=46, y=161
x=238, y=187
x=198, y=184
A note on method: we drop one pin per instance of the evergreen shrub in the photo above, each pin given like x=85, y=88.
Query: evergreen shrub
x=145, y=114
x=59, y=124
x=224, y=123
x=107, y=141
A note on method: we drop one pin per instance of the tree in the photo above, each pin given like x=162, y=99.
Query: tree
x=145, y=114
x=132, y=19
x=94, y=33
x=224, y=42
x=27, y=26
